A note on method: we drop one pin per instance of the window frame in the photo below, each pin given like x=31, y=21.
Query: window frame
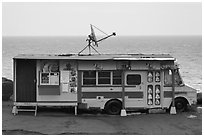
x=176, y=84
x=97, y=79
x=117, y=79
x=110, y=83
x=46, y=66
x=126, y=79
x=89, y=78
x=49, y=76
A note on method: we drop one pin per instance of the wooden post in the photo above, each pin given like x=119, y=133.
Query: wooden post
x=173, y=109
x=123, y=111
x=14, y=80
x=123, y=89
x=79, y=83
x=75, y=110
x=173, y=87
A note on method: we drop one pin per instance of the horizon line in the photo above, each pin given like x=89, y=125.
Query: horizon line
x=98, y=35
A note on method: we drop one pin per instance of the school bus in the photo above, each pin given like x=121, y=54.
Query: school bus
x=107, y=81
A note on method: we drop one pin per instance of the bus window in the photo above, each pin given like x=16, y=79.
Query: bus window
x=89, y=78
x=133, y=79
x=104, y=77
x=117, y=76
x=178, y=80
x=168, y=78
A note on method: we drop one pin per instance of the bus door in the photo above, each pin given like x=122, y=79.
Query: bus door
x=154, y=89
x=134, y=88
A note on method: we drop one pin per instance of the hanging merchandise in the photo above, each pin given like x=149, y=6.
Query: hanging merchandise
x=149, y=90
x=150, y=77
x=54, y=67
x=157, y=76
x=68, y=77
x=73, y=73
x=72, y=90
x=157, y=89
x=157, y=102
x=149, y=102
x=150, y=95
x=157, y=95
x=73, y=81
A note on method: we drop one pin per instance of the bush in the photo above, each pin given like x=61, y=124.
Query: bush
x=199, y=98
x=7, y=89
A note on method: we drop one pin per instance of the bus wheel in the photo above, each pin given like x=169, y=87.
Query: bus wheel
x=180, y=104
x=113, y=107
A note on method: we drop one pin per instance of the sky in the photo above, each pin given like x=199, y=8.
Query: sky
x=74, y=19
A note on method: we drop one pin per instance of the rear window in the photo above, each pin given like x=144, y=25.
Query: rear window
x=133, y=79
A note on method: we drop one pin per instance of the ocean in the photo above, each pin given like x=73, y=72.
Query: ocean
x=186, y=49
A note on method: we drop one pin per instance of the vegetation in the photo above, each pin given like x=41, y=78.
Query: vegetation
x=7, y=89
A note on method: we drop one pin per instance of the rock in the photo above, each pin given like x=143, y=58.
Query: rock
x=199, y=109
x=191, y=116
x=7, y=89
x=199, y=98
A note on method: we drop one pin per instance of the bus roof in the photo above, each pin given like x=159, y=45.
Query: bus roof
x=97, y=56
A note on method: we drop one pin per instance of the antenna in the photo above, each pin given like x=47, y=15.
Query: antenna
x=92, y=40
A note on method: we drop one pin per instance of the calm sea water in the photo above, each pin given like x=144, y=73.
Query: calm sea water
x=187, y=50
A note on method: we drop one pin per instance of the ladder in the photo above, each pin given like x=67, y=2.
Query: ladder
x=24, y=107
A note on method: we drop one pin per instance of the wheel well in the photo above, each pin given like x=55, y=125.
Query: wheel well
x=183, y=98
x=112, y=100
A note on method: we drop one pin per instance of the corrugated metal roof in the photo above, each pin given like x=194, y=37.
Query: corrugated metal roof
x=97, y=57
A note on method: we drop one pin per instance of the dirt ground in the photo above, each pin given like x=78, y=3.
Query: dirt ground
x=59, y=122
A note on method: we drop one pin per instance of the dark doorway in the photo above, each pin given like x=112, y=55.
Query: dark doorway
x=25, y=80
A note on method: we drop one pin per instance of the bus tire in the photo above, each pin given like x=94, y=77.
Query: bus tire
x=113, y=107
x=180, y=104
